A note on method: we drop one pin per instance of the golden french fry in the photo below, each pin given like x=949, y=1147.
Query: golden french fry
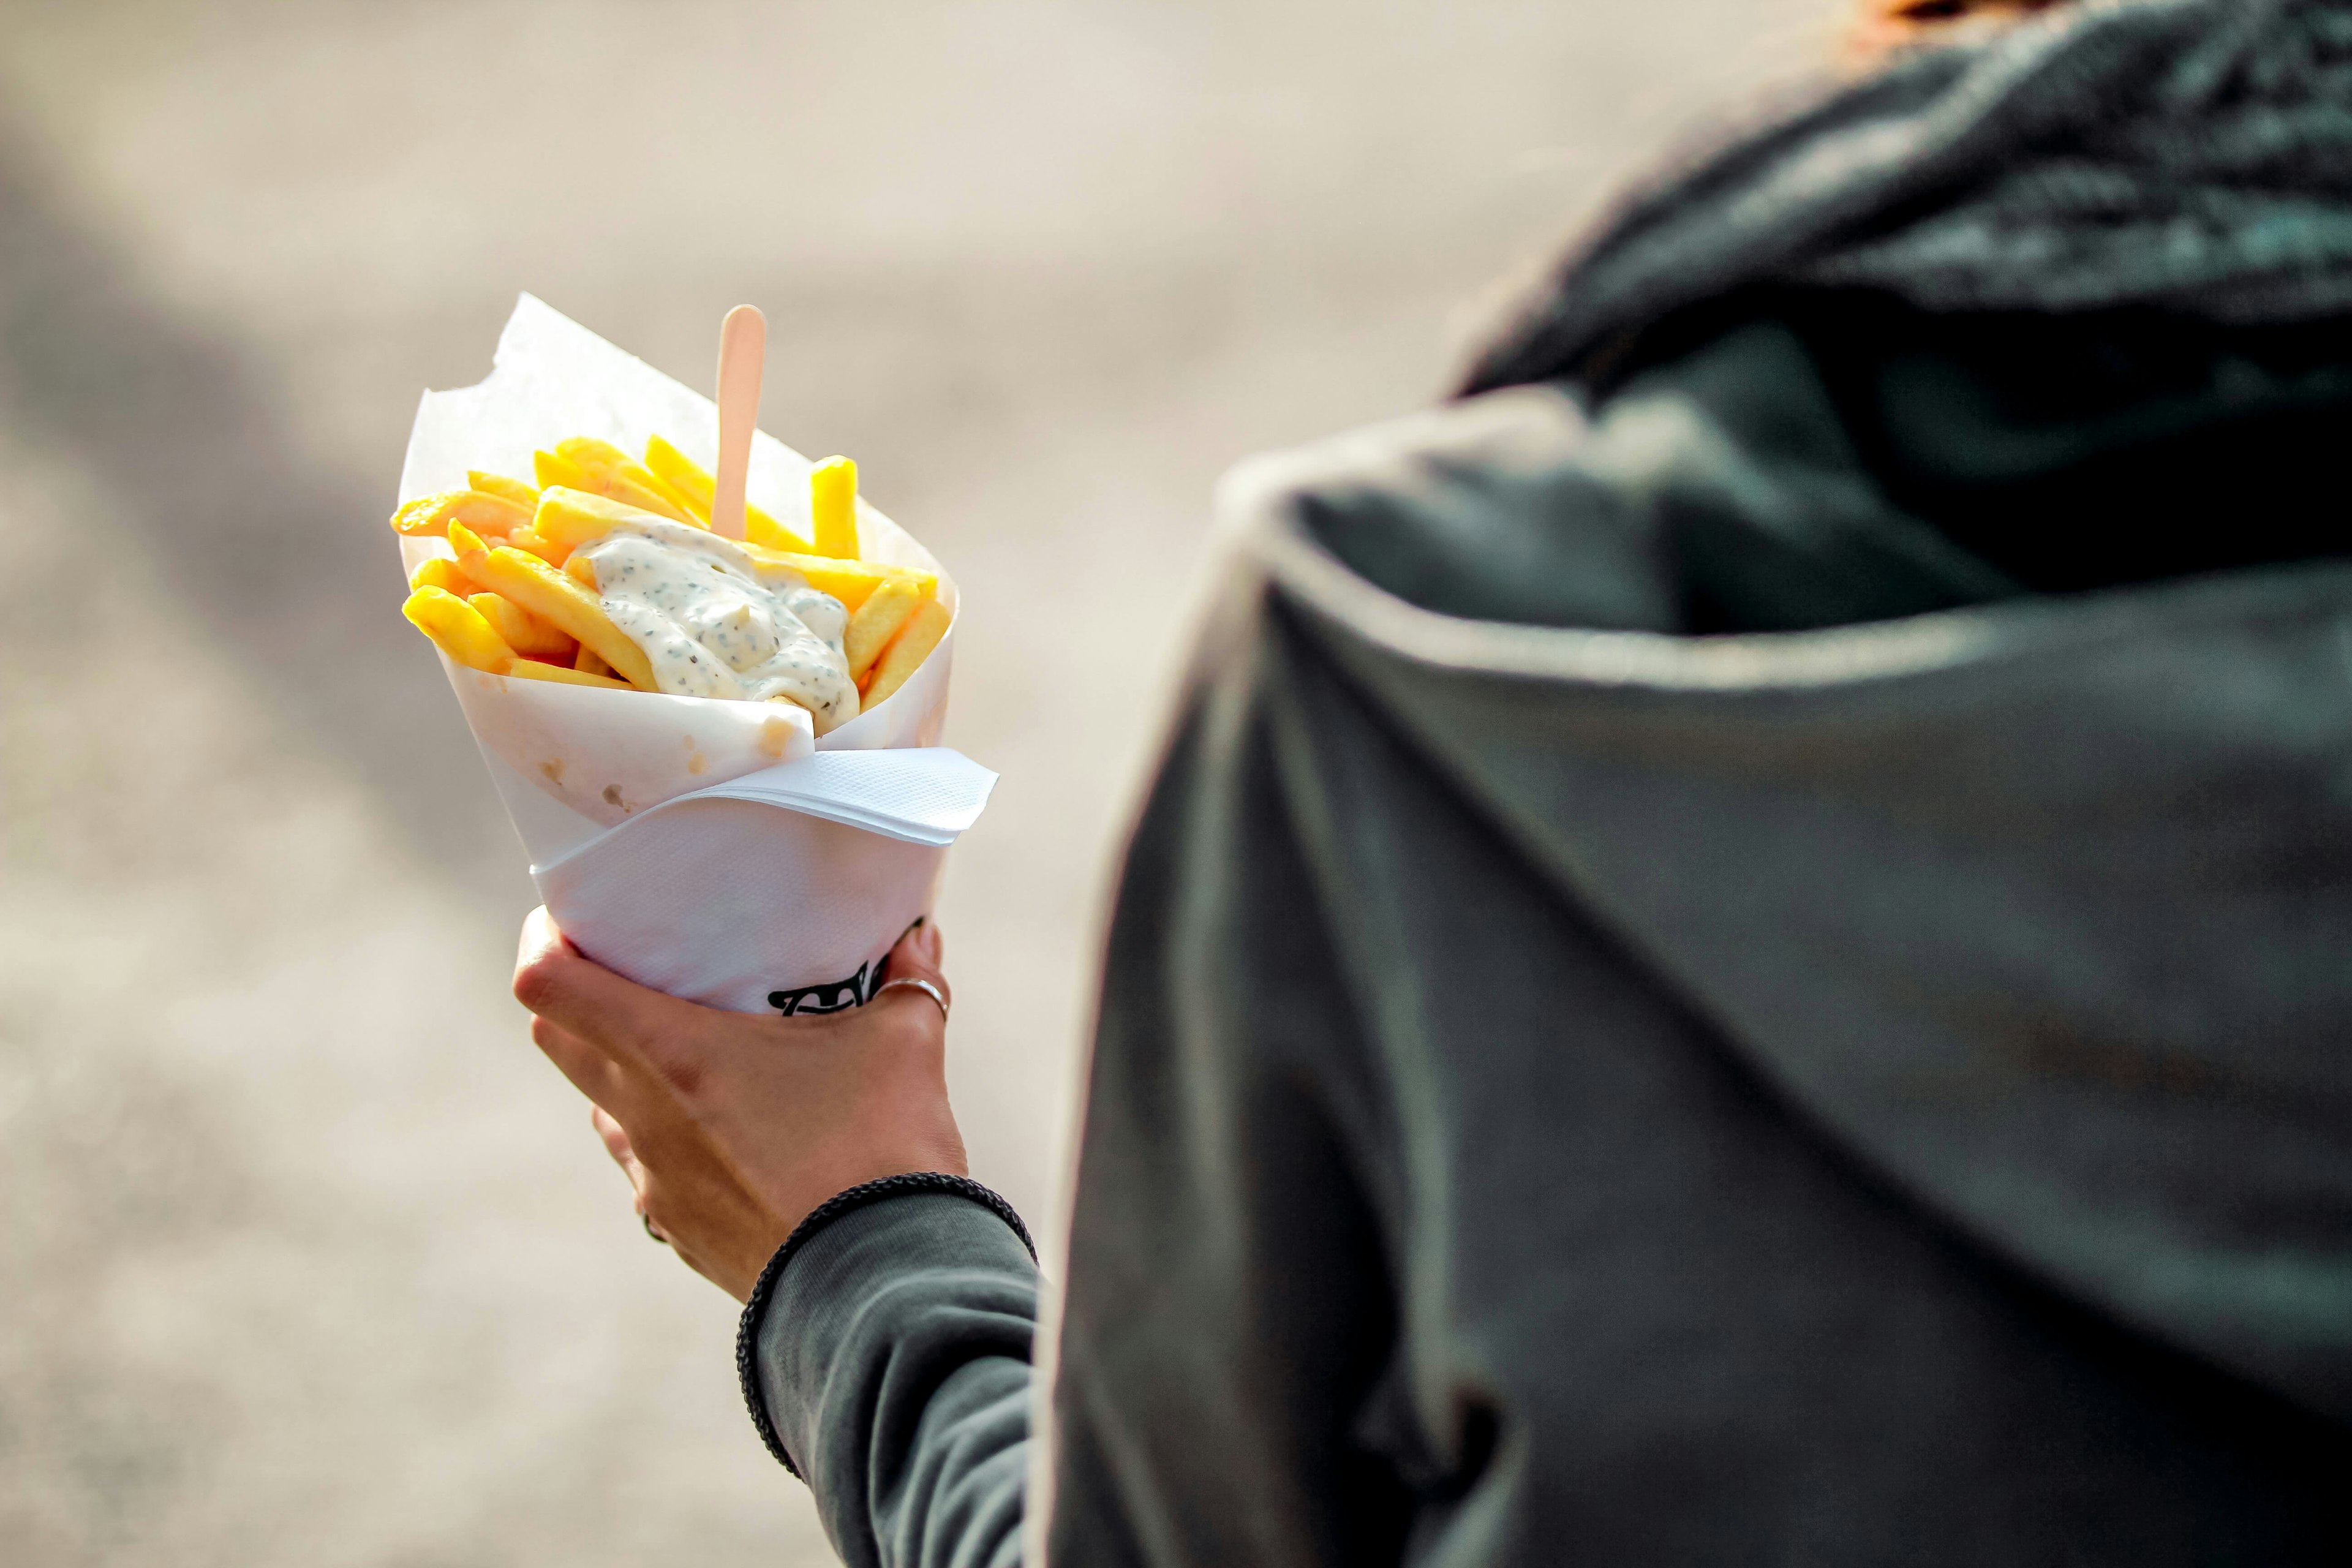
x=848, y=581
x=833, y=508
x=604, y=460
x=574, y=517
x=515, y=490
x=468, y=636
x=483, y=512
x=465, y=541
x=459, y=630
x=533, y=670
x=696, y=488
x=534, y=585
x=523, y=632
x=590, y=454
x=555, y=552
x=549, y=470
x=628, y=492
x=440, y=572
x=765, y=531
x=605, y=471
x=601, y=458
x=907, y=651
x=683, y=475
x=877, y=620
x=520, y=600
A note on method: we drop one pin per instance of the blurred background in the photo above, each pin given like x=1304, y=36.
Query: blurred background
x=309, y=1259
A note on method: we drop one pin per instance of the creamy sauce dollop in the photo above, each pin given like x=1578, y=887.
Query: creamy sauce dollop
x=714, y=625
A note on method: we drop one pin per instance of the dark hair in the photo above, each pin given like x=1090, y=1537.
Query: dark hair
x=1932, y=11
x=1882, y=24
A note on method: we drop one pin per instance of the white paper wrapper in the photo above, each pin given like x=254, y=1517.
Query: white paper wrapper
x=715, y=850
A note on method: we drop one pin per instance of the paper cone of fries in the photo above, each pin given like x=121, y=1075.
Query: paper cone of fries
x=718, y=850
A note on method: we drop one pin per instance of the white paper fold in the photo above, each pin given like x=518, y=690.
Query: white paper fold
x=715, y=850
x=927, y=795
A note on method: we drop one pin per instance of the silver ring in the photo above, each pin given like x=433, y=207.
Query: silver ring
x=925, y=987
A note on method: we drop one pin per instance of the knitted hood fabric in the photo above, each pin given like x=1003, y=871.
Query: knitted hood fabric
x=2191, y=155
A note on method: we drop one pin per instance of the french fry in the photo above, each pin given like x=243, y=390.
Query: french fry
x=520, y=599
x=848, y=581
x=833, y=508
x=696, y=488
x=533, y=670
x=552, y=551
x=683, y=475
x=534, y=585
x=459, y=630
x=440, y=572
x=463, y=632
x=609, y=472
x=550, y=470
x=761, y=528
x=907, y=651
x=877, y=620
x=466, y=542
x=601, y=457
x=574, y=517
x=478, y=509
x=515, y=490
x=523, y=632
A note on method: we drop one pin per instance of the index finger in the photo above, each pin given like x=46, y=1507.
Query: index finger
x=634, y=1025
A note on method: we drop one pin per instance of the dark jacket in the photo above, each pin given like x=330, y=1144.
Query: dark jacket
x=1738, y=956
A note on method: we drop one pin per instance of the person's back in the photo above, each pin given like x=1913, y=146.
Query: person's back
x=1737, y=955
x=1870, y=1094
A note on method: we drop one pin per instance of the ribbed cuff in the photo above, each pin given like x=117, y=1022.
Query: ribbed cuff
x=747, y=1332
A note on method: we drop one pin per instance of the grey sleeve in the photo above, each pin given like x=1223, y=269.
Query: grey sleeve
x=893, y=1356
x=1228, y=1333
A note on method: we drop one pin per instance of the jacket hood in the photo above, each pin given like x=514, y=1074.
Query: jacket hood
x=2189, y=155
x=2043, y=907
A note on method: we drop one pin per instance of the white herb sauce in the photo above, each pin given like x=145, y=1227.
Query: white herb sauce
x=714, y=626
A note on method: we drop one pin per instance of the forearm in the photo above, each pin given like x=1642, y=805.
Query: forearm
x=892, y=1357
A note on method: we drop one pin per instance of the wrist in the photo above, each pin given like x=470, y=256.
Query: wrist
x=840, y=1205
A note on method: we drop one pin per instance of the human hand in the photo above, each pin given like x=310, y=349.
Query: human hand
x=732, y=1126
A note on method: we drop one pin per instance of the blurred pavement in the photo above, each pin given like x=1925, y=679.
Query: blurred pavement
x=309, y=1260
